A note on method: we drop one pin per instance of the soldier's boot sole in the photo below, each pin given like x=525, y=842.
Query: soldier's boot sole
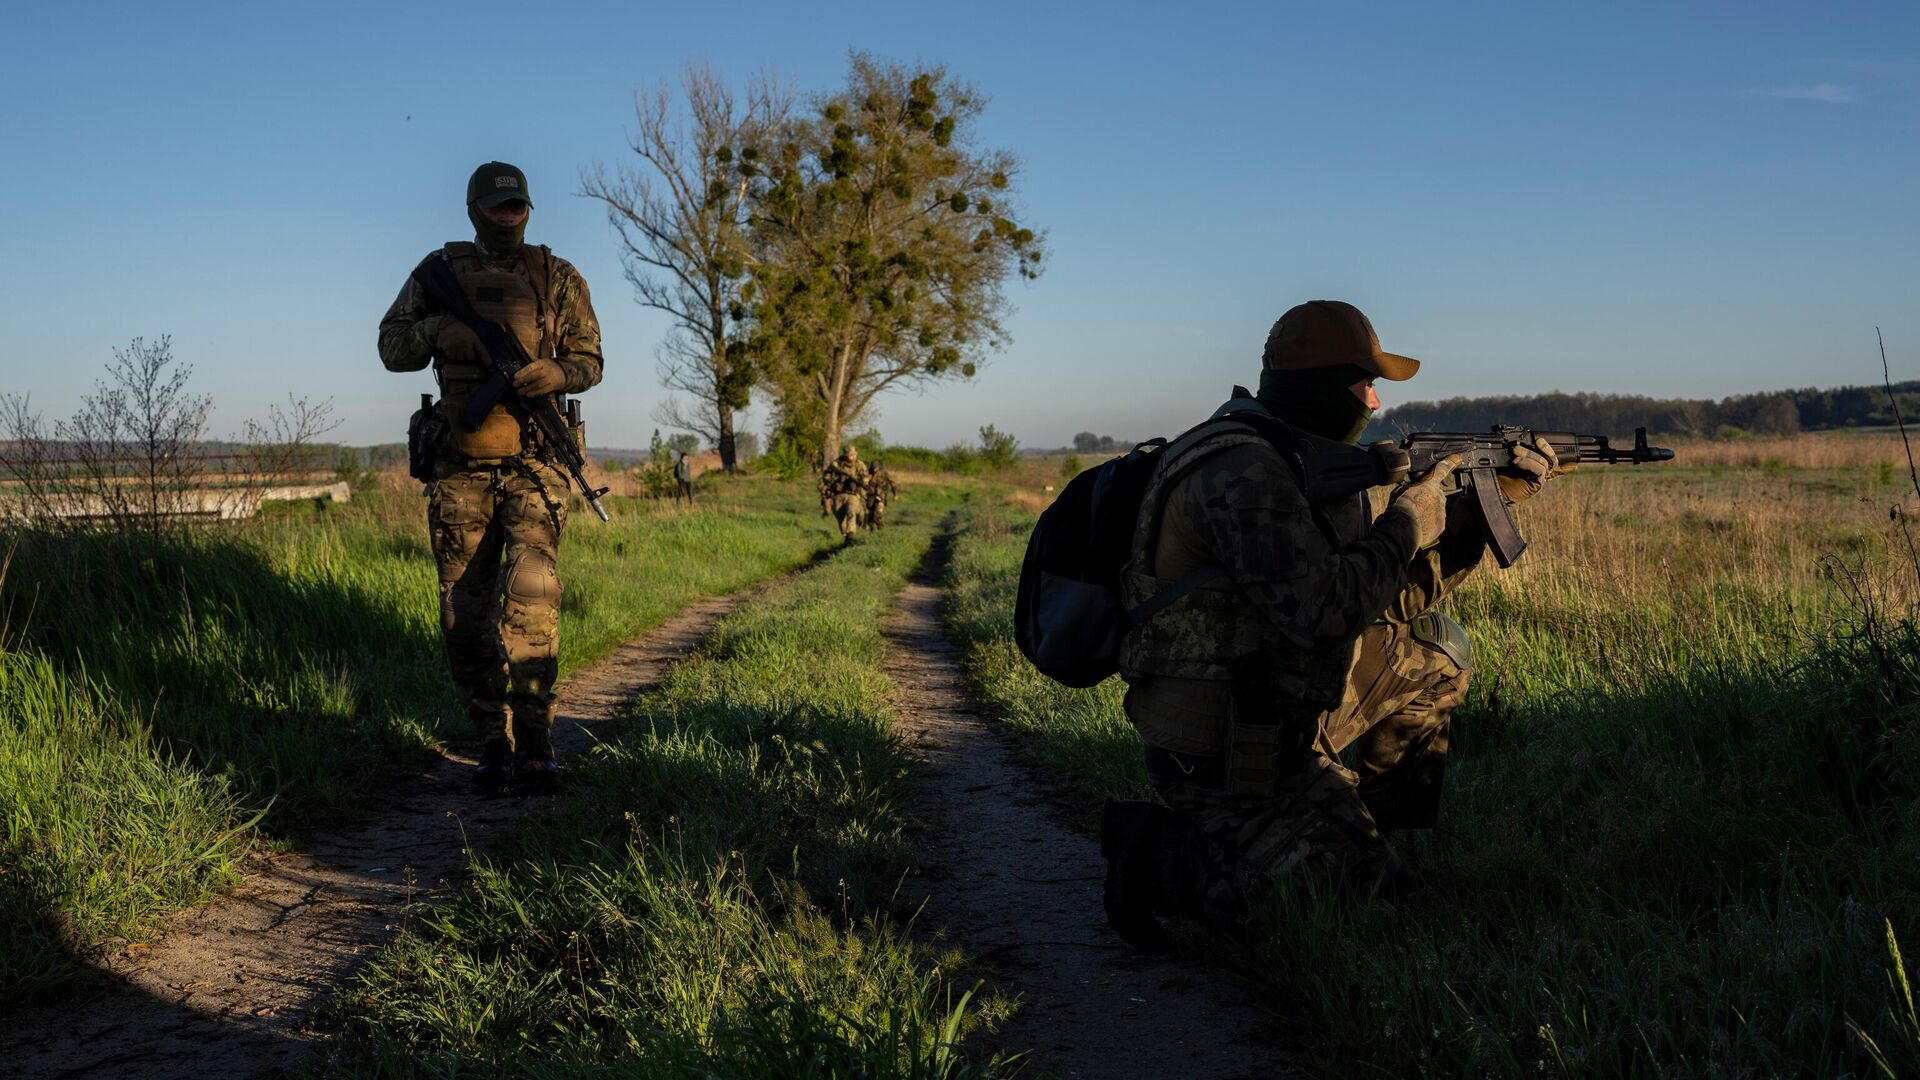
x=1127, y=831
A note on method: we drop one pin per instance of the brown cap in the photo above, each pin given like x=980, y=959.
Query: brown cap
x=1328, y=333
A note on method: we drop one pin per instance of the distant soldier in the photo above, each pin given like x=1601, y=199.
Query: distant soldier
x=498, y=505
x=683, y=479
x=1314, y=637
x=880, y=491
x=844, y=483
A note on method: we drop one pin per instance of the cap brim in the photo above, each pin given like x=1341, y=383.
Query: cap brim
x=1393, y=367
x=494, y=198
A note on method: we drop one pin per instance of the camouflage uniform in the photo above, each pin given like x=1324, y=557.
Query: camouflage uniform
x=844, y=482
x=880, y=491
x=498, y=509
x=1307, y=646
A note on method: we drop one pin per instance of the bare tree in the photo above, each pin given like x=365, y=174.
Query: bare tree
x=679, y=214
x=134, y=444
x=135, y=455
x=278, y=450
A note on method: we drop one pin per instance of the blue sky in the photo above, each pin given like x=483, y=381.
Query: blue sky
x=1675, y=199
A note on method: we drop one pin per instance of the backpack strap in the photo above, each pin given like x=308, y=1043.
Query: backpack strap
x=1169, y=593
x=1222, y=431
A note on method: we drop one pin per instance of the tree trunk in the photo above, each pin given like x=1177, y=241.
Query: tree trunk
x=836, y=393
x=726, y=438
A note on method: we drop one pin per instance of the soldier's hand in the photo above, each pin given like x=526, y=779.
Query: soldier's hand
x=1532, y=467
x=539, y=377
x=457, y=344
x=1424, y=502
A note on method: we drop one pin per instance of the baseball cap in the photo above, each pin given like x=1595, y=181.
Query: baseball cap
x=497, y=182
x=1329, y=333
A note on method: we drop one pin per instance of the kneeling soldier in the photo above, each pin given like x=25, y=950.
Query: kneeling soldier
x=1316, y=639
x=498, y=504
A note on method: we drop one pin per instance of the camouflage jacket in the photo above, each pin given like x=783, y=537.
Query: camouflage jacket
x=1301, y=584
x=407, y=330
x=844, y=478
x=880, y=485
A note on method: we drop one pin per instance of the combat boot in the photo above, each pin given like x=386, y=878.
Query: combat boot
x=534, y=764
x=1128, y=832
x=495, y=768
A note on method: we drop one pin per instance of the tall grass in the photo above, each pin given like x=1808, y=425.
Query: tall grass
x=275, y=672
x=711, y=897
x=1683, y=810
x=98, y=834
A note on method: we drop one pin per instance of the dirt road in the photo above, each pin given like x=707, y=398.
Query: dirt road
x=1021, y=893
x=230, y=990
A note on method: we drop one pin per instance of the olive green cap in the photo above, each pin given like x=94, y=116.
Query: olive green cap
x=497, y=182
x=1330, y=333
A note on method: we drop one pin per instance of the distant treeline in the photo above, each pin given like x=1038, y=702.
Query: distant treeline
x=1781, y=412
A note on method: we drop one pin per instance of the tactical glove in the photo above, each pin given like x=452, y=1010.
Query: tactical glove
x=456, y=344
x=539, y=377
x=1532, y=467
x=1424, y=502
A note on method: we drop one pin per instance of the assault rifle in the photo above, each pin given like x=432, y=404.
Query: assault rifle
x=1337, y=473
x=508, y=356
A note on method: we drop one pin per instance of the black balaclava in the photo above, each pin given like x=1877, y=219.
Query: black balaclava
x=1319, y=401
x=497, y=239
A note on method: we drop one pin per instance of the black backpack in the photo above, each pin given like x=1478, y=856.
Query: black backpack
x=1068, y=617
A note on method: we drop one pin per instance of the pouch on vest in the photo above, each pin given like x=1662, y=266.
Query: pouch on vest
x=427, y=434
x=1265, y=737
x=498, y=436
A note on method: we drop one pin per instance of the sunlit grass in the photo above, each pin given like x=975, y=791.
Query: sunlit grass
x=1682, y=812
x=712, y=897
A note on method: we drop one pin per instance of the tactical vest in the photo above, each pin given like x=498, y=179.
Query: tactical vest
x=521, y=302
x=1209, y=632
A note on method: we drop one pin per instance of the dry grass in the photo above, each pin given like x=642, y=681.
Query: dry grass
x=1816, y=450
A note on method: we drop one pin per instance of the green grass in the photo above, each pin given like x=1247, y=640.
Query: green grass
x=232, y=686
x=1684, y=802
x=711, y=897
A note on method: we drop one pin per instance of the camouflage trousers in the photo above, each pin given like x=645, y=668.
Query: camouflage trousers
x=495, y=531
x=876, y=513
x=1377, y=765
x=848, y=509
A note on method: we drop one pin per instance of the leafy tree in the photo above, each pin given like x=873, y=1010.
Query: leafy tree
x=1088, y=443
x=880, y=239
x=997, y=448
x=679, y=215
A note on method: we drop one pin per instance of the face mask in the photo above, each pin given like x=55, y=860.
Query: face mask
x=1319, y=401
x=497, y=239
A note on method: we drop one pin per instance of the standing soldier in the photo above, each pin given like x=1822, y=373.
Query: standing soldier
x=880, y=491
x=683, y=480
x=498, y=504
x=1314, y=637
x=844, y=483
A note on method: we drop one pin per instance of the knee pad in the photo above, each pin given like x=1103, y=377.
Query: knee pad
x=533, y=579
x=1435, y=628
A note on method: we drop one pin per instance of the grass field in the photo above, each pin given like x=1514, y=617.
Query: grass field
x=1683, y=813
x=166, y=703
x=712, y=897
